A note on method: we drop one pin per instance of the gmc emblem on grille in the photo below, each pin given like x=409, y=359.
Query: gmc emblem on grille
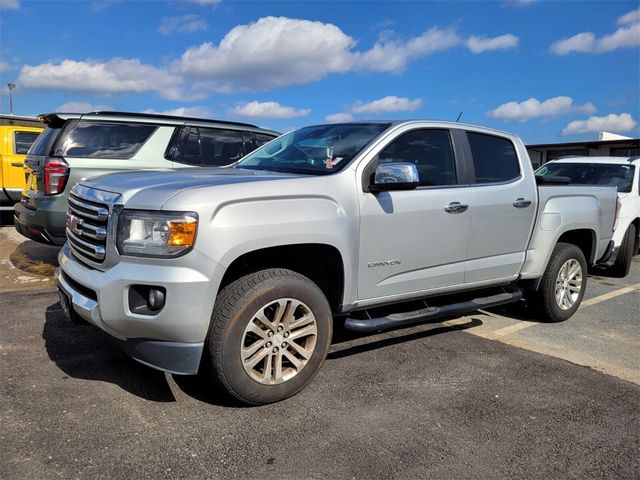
x=74, y=224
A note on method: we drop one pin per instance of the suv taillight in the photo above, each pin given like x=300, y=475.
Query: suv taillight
x=617, y=212
x=56, y=173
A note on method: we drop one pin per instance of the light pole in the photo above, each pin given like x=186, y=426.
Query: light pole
x=11, y=87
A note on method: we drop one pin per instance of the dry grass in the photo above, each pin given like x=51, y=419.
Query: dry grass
x=26, y=264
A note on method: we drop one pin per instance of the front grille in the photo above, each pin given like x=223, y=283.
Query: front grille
x=87, y=223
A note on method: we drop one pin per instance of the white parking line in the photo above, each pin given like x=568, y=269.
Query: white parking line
x=516, y=327
x=607, y=296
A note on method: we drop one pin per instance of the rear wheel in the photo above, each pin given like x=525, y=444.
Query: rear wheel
x=563, y=284
x=622, y=264
x=269, y=336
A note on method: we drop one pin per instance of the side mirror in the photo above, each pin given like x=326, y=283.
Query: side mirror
x=395, y=176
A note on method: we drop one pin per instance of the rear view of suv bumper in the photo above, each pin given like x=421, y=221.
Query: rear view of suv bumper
x=42, y=225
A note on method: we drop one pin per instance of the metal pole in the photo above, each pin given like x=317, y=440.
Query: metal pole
x=11, y=87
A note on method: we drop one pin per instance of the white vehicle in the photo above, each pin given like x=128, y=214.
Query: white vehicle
x=620, y=172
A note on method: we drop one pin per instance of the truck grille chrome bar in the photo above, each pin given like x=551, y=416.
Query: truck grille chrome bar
x=87, y=223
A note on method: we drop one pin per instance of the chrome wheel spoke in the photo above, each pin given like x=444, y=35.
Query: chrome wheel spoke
x=568, y=284
x=278, y=341
x=303, y=352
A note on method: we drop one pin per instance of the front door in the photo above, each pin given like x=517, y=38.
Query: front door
x=415, y=241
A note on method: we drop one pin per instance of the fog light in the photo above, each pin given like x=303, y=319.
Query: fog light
x=155, y=300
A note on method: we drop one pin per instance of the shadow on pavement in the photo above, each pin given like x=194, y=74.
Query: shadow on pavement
x=34, y=257
x=85, y=352
x=395, y=338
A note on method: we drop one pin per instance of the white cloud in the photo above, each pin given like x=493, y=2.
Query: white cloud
x=522, y=3
x=81, y=107
x=118, y=75
x=478, y=44
x=628, y=35
x=632, y=17
x=622, y=122
x=198, y=112
x=391, y=55
x=387, y=104
x=97, y=6
x=257, y=109
x=533, y=107
x=183, y=24
x=339, y=117
x=270, y=52
x=5, y=67
x=9, y=4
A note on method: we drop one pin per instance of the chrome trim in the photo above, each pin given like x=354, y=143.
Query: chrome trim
x=97, y=200
x=101, y=214
x=86, y=307
x=97, y=251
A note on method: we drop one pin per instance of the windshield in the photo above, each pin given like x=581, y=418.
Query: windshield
x=602, y=174
x=317, y=150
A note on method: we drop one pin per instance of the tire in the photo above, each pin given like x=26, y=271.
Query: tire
x=622, y=265
x=239, y=335
x=544, y=301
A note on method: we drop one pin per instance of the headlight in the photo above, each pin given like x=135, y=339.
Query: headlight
x=156, y=234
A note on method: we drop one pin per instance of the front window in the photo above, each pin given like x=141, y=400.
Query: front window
x=316, y=150
x=602, y=174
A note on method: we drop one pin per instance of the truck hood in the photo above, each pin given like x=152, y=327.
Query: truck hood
x=152, y=188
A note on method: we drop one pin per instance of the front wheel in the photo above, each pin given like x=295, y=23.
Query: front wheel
x=563, y=284
x=270, y=333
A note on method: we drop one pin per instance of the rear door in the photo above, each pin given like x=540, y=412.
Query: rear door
x=17, y=140
x=413, y=242
x=504, y=208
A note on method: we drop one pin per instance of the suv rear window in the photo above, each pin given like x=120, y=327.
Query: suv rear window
x=105, y=140
x=23, y=141
x=42, y=145
x=494, y=158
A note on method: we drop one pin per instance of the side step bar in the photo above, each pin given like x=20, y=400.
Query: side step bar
x=415, y=317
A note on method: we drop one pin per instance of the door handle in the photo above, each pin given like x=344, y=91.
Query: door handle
x=521, y=203
x=456, y=207
x=17, y=164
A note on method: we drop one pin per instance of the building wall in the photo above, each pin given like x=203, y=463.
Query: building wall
x=541, y=154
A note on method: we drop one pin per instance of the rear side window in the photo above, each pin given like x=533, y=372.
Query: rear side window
x=430, y=150
x=220, y=147
x=254, y=140
x=23, y=141
x=105, y=140
x=494, y=158
x=209, y=147
x=44, y=142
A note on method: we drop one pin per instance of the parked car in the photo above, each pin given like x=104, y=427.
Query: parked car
x=237, y=273
x=76, y=146
x=622, y=173
x=17, y=134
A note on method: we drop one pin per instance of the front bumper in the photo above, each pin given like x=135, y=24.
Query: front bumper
x=171, y=340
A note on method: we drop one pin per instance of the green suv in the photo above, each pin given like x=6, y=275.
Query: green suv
x=78, y=146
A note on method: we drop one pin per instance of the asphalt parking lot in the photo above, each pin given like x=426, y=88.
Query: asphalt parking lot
x=489, y=395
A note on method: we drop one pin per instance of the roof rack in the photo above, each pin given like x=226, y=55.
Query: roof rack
x=634, y=158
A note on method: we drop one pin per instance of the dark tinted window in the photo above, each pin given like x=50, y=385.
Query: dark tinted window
x=23, y=141
x=105, y=140
x=185, y=146
x=494, y=158
x=430, y=150
x=620, y=176
x=42, y=145
x=220, y=147
x=254, y=140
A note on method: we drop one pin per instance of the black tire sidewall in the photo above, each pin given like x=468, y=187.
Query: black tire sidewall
x=552, y=310
x=622, y=263
x=240, y=384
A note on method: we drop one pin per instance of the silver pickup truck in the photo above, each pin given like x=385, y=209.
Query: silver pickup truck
x=239, y=273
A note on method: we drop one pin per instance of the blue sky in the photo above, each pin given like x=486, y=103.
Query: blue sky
x=550, y=71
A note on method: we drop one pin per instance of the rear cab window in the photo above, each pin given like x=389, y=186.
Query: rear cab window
x=104, y=140
x=494, y=158
x=22, y=141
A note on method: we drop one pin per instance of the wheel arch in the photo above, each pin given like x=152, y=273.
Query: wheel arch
x=321, y=263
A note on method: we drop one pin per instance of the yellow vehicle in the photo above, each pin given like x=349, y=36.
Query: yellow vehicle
x=17, y=134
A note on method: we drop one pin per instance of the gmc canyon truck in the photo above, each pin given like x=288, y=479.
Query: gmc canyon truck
x=238, y=273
